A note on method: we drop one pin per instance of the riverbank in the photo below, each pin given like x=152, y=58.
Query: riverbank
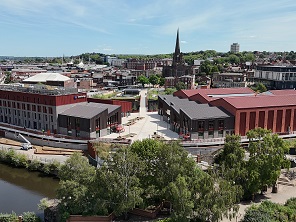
x=21, y=190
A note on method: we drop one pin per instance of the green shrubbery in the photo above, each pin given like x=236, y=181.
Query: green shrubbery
x=8, y=217
x=268, y=211
x=21, y=160
x=26, y=217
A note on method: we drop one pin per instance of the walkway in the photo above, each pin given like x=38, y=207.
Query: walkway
x=146, y=127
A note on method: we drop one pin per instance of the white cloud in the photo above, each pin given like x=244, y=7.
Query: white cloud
x=184, y=42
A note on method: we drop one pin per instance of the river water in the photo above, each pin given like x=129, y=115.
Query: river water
x=21, y=190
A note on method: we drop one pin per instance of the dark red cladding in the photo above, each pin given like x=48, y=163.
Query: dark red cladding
x=125, y=105
x=52, y=100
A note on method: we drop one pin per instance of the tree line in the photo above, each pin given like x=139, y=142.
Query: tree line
x=149, y=171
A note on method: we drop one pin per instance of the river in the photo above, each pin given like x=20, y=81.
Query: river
x=21, y=190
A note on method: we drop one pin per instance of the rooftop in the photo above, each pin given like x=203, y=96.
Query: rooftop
x=88, y=110
x=193, y=109
x=38, y=89
x=263, y=101
x=218, y=91
x=48, y=76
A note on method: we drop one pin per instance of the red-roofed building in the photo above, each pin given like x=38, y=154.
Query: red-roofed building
x=283, y=92
x=207, y=95
x=274, y=112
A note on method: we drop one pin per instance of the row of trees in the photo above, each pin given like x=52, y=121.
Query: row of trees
x=152, y=79
x=142, y=175
x=262, y=165
x=150, y=171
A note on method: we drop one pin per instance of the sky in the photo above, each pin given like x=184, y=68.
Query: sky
x=71, y=27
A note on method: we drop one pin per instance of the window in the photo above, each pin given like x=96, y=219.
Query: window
x=200, y=135
x=68, y=121
x=211, y=125
x=221, y=124
x=220, y=133
x=211, y=134
x=201, y=125
x=77, y=122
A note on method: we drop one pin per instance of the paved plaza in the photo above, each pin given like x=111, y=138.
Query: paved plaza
x=146, y=127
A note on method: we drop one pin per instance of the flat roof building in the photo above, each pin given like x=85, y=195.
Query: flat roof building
x=39, y=107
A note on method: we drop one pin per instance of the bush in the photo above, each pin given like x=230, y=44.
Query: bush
x=8, y=217
x=54, y=166
x=34, y=165
x=30, y=217
x=46, y=168
x=271, y=212
x=20, y=160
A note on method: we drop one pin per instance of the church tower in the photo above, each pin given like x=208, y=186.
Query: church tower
x=179, y=71
x=177, y=57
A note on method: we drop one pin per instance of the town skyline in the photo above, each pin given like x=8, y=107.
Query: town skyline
x=36, y=28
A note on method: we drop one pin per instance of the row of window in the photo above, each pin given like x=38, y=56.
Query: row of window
x=28, y=107
x=210, y=134
x=25, y=114
x=28, y=99
x=25, y=123
x=201, y=125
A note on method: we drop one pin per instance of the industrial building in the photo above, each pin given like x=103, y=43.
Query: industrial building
x=43, y=109
x=211, y=113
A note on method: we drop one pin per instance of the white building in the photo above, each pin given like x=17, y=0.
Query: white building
x=234, y=48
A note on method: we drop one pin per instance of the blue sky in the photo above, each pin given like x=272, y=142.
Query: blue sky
x=72, y=27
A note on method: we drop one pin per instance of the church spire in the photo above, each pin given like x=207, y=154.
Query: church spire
x=177, y=48
x=177, y=57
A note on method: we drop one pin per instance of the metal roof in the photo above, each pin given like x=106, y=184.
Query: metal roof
x=217, y=91
x=88, y=110
x=48, y=76
x=204, y=111
x=263, y=101
x=193, y=109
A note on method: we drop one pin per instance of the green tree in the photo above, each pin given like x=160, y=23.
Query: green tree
x=7, y=77
x=76, y=185
x=206, y=67
x=233, y=59
x=124, y=185
x=154, y=79
x=214, y=197
x=170, y=91
x=180, y=85
x=181, y=199
x=267, y=158
x=161, y=81
x=261, y=88
x=143, y=80
x=231, y=160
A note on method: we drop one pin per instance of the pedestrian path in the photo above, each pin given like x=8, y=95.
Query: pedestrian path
x=150, y=123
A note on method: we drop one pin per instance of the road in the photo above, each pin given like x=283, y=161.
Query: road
x=30, y=154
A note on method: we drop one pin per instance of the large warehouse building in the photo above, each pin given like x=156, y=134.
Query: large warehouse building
x=210, y=113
